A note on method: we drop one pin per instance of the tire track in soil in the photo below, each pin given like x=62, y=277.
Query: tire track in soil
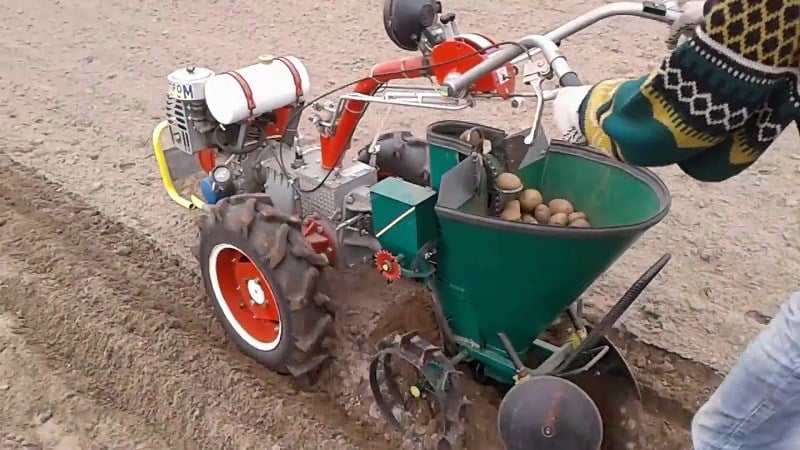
x=128, y=319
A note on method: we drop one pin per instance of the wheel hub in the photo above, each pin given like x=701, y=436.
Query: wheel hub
x=245, y=296
x=257, y=295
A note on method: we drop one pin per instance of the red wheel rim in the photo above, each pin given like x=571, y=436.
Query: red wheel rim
x=245, y=297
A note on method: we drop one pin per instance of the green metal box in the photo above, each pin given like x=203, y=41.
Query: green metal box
x=403, y=217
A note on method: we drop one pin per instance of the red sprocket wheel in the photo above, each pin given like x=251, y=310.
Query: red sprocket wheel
x=387, y=265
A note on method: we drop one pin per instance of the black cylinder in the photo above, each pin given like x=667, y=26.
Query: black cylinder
x=402, y=155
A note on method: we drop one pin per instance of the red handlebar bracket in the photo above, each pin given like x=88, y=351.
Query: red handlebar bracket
x=463, y=50
x=465, y=53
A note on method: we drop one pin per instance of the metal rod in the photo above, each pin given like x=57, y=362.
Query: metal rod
x=546, y=43
x=512, y=354
x=448, y=338
x=637, y=9
x=438, y=102
x=618, y=309
x=550, y=50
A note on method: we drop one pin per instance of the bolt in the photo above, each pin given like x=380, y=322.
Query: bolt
x=319, y=229
x=328, y=250
x=241, y=305
x=350, y=199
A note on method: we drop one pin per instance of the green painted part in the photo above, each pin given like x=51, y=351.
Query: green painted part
x=496, y=364
x=390, y=199
x=441, y=160
x=494, y=275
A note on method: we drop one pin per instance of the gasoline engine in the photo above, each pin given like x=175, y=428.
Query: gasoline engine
x=238, y=114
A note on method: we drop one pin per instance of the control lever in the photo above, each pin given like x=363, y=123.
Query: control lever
x=536, y=84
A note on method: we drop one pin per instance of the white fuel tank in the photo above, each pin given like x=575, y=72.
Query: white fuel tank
x=272, y=84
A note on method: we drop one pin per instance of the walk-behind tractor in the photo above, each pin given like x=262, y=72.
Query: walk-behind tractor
x=506, y=230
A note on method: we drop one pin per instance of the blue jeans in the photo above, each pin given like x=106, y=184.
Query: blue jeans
x=757, y=406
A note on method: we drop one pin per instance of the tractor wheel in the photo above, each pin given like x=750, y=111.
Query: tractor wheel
x=262, y=277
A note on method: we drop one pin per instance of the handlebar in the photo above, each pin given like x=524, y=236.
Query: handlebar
x=546, y=44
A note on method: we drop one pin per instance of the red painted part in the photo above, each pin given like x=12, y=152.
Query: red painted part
x=234, y=272
x=463, y=51
x=504, y=88
x=282, y=117
x=333, y=147
x=298, y=81
x=207, y=159
x=321, y=239
x=387, y=265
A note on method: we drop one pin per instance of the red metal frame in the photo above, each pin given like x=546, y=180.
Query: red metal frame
x=462, y=53
x=333, y=147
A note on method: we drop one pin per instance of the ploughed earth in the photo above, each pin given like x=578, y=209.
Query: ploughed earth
x=108, y=342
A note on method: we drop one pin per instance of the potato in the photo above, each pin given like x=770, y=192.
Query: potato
x=507, y=182
x=530, y=199
x=511, y=211
x=541, y=213
x=527, y=218
x=474, y=137
x=559, y=205
x=580, y=223
x=558, y=219
x=575, y=216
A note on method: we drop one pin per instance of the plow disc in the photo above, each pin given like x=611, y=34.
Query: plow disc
x=547, y=412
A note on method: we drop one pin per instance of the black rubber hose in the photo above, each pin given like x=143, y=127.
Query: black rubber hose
x=616, y=312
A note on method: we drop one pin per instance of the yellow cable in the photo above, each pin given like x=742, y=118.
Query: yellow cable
x=166, y=177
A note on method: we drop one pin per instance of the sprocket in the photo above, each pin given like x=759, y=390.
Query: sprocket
x=387, y=265
x=434, y=385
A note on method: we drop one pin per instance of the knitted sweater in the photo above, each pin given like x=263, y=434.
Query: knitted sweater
x=715, y=104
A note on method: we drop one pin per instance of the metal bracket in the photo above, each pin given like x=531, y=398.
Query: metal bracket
x=417, y=97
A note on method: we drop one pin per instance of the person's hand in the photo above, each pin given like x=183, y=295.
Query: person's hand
x=686, y=23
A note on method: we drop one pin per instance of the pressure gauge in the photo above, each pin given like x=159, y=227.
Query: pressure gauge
x=221, y=174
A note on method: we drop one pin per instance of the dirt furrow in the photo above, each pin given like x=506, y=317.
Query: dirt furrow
x=128, y=319
x=44, y=406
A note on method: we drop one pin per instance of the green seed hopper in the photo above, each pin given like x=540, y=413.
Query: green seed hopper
x=497, y=285
x=499, y=276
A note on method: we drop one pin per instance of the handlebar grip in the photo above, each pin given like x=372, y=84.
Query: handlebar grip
x=570, y=79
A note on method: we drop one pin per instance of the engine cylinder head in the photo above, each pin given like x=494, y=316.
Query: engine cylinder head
x=186, y=109
x=189, y=83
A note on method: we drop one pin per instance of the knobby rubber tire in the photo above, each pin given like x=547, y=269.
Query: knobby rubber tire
x=273, y=241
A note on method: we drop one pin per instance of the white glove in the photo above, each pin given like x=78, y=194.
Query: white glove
x=686, y=23
x=565, y=112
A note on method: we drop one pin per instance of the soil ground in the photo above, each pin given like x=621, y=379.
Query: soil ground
x=106, y=340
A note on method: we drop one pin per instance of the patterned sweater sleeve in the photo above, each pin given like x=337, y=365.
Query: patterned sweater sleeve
x=715, y=104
